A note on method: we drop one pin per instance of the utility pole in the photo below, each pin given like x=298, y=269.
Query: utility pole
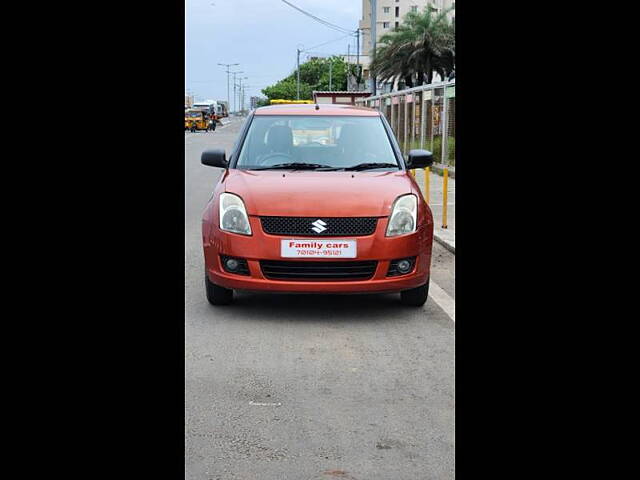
x=228, y=65
x=374, y=19
x=348, y=63
x=235, y=105
x=249, y=105
x=358, y=47
x=330, y=73
x=244, y=89
x=298, y=68
x=358, y=59
x=241, y=93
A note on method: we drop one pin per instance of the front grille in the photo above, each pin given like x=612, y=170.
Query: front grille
x=317, y=271
x=319, y=226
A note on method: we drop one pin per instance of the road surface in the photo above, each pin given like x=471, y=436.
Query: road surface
x=293, y=387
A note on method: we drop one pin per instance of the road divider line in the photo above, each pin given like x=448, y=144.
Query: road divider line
x=443, y=300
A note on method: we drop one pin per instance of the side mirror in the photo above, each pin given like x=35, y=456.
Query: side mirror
x=215, y=157
x=419, y=159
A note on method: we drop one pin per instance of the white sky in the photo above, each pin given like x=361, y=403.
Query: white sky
x=261, y=35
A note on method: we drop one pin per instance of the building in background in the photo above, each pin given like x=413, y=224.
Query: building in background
x=389, y=15
x=188, y=100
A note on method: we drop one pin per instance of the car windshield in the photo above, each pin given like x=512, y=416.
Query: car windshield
x=329, y=142
x=195, y=114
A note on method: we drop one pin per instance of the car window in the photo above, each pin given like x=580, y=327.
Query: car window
x=334, y=141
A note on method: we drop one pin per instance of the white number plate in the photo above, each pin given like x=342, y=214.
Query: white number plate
x=318, y=248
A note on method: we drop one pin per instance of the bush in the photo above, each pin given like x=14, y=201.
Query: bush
x=437, y=149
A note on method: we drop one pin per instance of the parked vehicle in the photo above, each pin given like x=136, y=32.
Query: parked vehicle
x=317, y=200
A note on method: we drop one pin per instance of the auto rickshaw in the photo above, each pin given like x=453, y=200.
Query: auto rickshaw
x=195, y=120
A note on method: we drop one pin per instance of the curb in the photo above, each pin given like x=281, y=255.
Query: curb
x=446, y=238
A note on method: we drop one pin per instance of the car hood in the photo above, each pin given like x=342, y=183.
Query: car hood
x=305, y=193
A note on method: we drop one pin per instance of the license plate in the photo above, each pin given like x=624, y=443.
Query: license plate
x=322, y=248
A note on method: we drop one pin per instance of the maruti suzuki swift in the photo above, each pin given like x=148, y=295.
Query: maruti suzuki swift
x=317, y=199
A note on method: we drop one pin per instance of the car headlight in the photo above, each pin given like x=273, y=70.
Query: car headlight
x=233, y=215
x=403, y=216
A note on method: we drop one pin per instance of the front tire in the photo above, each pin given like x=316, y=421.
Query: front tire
x=217, y=295
x=416, y=297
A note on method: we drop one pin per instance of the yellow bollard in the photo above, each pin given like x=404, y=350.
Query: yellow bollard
x=445, y=182
x=427, y=175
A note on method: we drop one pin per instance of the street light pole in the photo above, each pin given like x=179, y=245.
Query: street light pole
x=374, y=19
x=228, y=65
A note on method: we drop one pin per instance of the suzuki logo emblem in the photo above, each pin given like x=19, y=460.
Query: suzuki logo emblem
x=318, y=226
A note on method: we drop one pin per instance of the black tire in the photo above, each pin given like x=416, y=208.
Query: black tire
x=416, y=297
x=217, y=295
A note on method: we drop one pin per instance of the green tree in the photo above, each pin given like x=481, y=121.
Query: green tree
x=422, y=45
x=262, y=102
x=314, y=75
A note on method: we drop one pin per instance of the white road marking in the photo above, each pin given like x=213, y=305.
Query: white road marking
x=443, y=300
x=262, y=404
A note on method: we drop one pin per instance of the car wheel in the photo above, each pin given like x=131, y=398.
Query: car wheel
x=217, y=295
x=416, y=297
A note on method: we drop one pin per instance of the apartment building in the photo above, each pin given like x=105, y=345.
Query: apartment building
x=390, y=14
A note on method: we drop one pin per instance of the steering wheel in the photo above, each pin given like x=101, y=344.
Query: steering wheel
x=263, y=160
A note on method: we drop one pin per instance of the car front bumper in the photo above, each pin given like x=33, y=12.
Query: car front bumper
x=261, y=246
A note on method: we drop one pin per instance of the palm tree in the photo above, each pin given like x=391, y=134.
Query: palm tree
x=422, y=45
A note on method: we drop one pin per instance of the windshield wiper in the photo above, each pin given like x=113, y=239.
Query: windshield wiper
x=369, y=166
x=293, y=166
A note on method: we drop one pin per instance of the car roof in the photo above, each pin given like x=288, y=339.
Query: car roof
x=323, y=109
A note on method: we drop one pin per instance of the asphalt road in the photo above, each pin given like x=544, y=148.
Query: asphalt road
x=312, y=386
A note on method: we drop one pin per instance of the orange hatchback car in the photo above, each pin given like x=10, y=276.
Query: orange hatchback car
x=317, y=199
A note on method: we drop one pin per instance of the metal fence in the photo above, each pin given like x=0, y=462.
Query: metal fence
x=422, y=117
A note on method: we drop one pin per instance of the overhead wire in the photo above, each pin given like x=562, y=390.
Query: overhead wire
x=318, y=19
x=325, y=43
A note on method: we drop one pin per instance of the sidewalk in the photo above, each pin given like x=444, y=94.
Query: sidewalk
x=447, y=237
